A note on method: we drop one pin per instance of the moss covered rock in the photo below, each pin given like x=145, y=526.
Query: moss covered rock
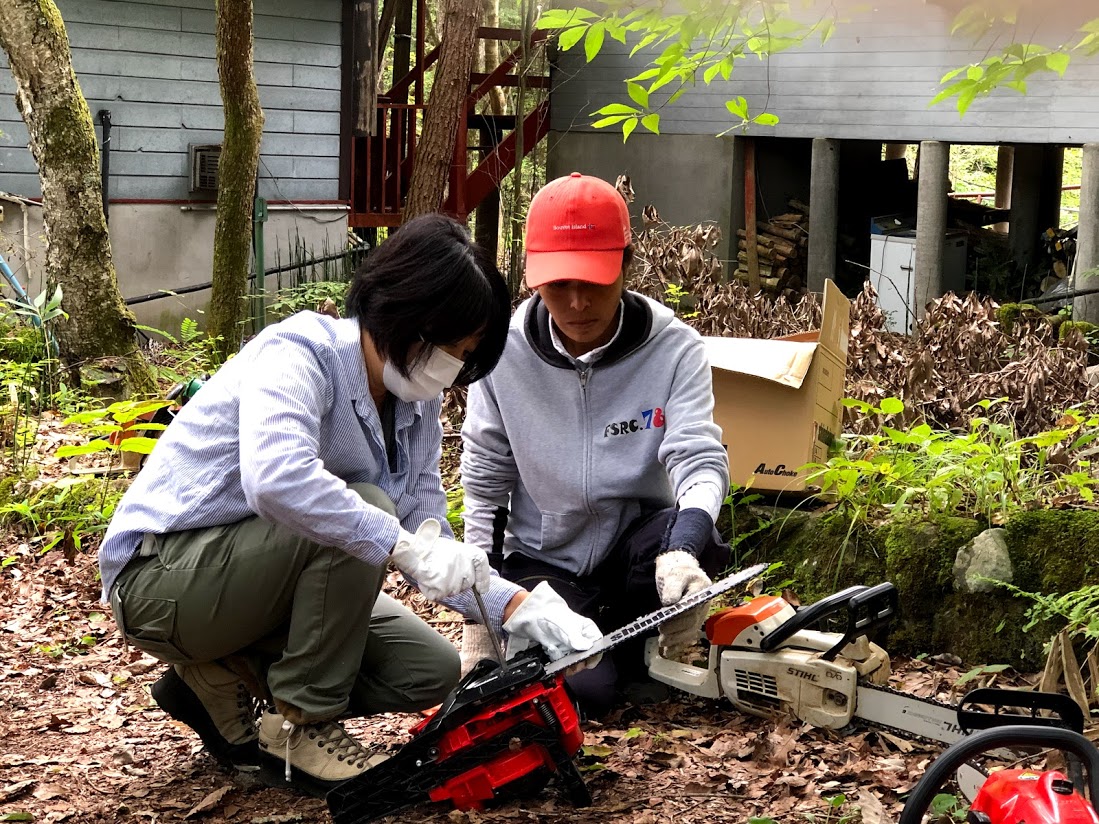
x=1051, y=552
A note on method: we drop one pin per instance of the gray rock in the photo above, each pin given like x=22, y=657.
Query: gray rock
x=986, y=556
x=1092, y=373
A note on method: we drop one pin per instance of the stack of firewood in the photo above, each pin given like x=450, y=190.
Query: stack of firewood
x=781, y=248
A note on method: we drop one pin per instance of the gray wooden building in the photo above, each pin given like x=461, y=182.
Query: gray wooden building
x=149, y=68
x=838, y=103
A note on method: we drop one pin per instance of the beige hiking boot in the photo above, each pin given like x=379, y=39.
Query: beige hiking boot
x=217, y=705
x=320, y=751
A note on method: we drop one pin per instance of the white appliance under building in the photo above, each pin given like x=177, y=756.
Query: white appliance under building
x=893, y=274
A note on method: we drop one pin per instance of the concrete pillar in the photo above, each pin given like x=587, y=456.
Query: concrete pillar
x=1087, y=241
x=1026, y=193
x=931, y=205
x=824, y=189
x=1005, y=162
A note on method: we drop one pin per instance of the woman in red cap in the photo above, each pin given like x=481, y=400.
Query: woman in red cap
x=591, y=459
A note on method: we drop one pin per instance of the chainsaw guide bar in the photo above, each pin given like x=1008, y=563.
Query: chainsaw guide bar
x=656, y=618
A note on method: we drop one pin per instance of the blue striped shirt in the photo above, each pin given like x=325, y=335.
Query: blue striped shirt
x=279, y=432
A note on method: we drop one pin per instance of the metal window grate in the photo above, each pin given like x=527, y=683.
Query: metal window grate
x=204, y=167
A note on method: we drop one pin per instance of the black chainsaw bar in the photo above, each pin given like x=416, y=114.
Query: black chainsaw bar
x=656, y=618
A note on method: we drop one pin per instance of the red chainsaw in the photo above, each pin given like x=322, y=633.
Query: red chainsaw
x=505, y=730
x=1019, y=796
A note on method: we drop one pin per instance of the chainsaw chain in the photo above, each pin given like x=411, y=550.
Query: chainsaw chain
x=656, y=618
x=902, y=733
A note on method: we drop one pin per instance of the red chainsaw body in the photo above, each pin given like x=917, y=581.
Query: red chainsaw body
x=473, y=788
x=1031, y=797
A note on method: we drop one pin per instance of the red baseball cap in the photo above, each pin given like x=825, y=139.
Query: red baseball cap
x=577, y=227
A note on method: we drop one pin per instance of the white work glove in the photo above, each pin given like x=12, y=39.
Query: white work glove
x=544, y=618
x=440, y=567
x=677, y=576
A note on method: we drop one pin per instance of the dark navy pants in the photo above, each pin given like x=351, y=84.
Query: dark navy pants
x=621, y=589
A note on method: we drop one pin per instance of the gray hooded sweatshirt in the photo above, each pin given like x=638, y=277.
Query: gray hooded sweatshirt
x=578, y=451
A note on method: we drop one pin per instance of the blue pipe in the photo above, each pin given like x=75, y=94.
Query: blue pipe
x=9, y=275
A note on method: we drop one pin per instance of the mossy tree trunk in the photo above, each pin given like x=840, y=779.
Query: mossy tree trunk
x=236, y=172
x=97, y=340
x=435, y=149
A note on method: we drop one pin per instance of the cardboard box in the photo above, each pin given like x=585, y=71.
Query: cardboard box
x=778, y=401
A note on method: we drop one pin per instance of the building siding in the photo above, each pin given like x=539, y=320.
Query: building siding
x=152, y=65
x=873, y=80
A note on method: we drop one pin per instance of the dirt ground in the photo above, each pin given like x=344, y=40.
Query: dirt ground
x=81, y=740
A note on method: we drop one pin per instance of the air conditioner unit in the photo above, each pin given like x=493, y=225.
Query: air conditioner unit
x=204, y=167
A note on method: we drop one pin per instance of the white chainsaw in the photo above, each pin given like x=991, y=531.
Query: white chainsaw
x=769, y=660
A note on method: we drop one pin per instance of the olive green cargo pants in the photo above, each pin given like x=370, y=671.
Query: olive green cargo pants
x=311, y=620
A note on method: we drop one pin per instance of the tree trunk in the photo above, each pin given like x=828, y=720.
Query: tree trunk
x=236, y=172
x=366, y=66
x=97, y=340
x=490, y=12
x=435, y=150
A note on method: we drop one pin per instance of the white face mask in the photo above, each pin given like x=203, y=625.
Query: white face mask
x=426, y=379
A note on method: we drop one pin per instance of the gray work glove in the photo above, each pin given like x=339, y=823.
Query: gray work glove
x=677, y=576
x=545, y=619
x=440, y=567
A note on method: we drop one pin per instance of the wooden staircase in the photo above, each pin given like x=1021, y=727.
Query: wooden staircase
x=381, y=164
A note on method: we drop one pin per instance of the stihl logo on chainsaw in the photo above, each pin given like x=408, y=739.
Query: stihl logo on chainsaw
x=800, y=673
x=781, y=469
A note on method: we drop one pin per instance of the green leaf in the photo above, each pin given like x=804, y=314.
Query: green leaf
x=17, y=817
x=609, y=121
x=628, y=127
x=1058, y=62
x=570, y=37
x=140, y=445
x=738, y=107
x=88, y=448
x=651, y=122
x=766, y=119
x=631, y=733
x=593, y=40
x=637, y=94
x=596, y=750
x=951, y=91
x=891, y=406
x=942, y=804
x=618, y=108
x=946, y=78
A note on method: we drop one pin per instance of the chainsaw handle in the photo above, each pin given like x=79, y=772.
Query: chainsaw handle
x=866, y=610
x=866, y=607
x=979, y=742
x=808, y=617
x=1069, y=714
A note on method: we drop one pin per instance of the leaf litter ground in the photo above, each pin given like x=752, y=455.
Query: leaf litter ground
x=81, y=739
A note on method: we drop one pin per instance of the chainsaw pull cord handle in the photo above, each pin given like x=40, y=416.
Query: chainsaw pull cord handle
x=960, y=752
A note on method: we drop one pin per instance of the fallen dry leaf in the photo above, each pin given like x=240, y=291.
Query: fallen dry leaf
x=209, y=803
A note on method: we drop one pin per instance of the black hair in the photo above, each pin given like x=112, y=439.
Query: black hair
x=430, y=282
x=627, y=257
